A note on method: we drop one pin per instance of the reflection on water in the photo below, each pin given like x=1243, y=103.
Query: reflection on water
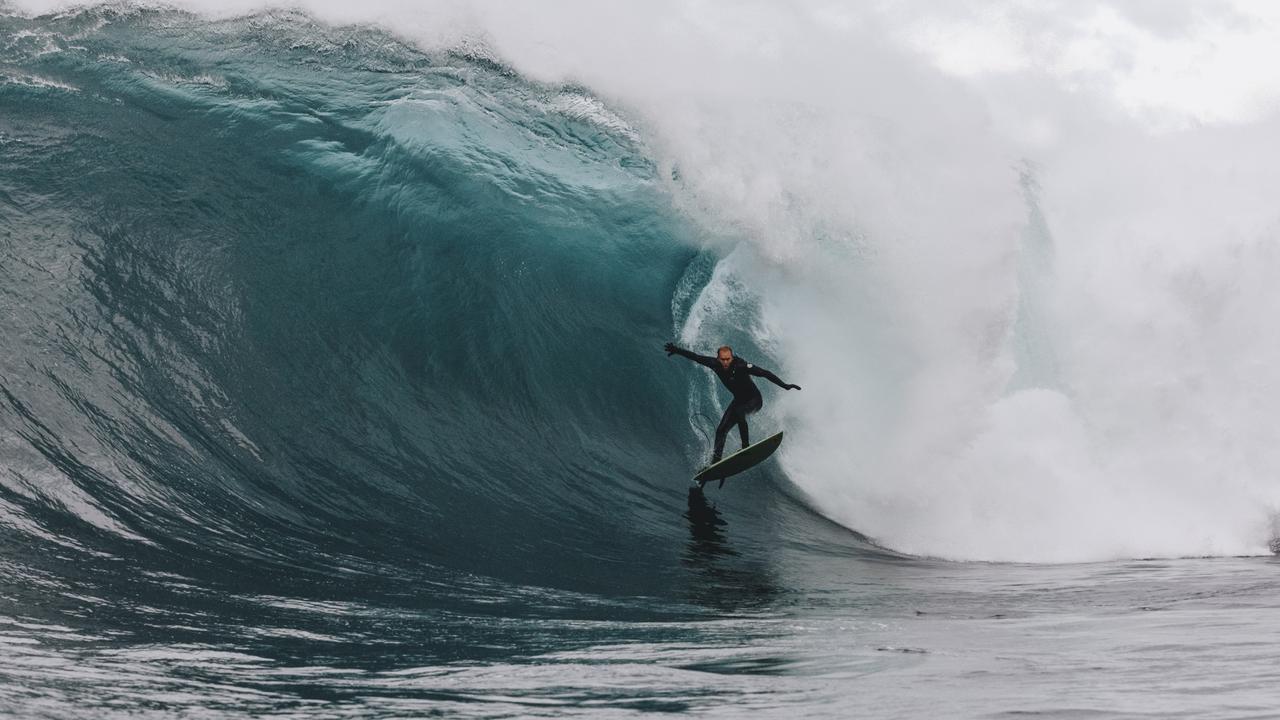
x=723, y=579
x=706, y=528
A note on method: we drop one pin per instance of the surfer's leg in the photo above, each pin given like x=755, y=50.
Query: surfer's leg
x=722, y=430
x=743, y=411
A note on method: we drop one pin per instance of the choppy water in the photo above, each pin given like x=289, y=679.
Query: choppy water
x=330, y=387
x=821, y=631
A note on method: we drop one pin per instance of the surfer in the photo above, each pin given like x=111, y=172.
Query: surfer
x=736, y=374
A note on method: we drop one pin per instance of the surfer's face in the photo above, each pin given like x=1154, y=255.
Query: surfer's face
x=726, y=357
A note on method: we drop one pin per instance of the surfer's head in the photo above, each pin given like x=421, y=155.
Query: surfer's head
x=725, y=354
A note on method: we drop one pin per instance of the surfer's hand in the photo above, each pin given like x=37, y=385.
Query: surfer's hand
x=670, y=348
x=793, y=387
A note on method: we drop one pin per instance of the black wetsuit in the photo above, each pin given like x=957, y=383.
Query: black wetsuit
x=746, y=396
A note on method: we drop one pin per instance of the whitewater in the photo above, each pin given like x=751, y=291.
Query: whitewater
x=331, y=380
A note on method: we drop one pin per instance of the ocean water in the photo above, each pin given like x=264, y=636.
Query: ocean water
x=331, y=382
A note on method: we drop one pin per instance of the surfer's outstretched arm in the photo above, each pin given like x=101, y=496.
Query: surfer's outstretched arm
x=761, y=372
x=704, y=360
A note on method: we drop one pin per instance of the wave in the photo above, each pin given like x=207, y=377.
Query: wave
x=276, y=283
x=283, y=291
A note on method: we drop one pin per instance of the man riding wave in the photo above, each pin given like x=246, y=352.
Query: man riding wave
x=736, y=375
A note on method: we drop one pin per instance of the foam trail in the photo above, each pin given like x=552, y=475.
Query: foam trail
x=1078, y=372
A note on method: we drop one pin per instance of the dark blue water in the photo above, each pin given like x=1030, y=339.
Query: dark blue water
x=330, y=385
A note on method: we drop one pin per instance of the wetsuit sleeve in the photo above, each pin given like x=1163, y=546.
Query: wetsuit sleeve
x=704, y=360
x=761, y=372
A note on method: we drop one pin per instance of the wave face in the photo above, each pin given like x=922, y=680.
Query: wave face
x=297, y=297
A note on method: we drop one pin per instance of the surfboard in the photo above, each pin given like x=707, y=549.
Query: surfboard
x=745, y=459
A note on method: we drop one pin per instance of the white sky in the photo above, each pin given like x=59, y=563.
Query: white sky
x=1195, y=62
